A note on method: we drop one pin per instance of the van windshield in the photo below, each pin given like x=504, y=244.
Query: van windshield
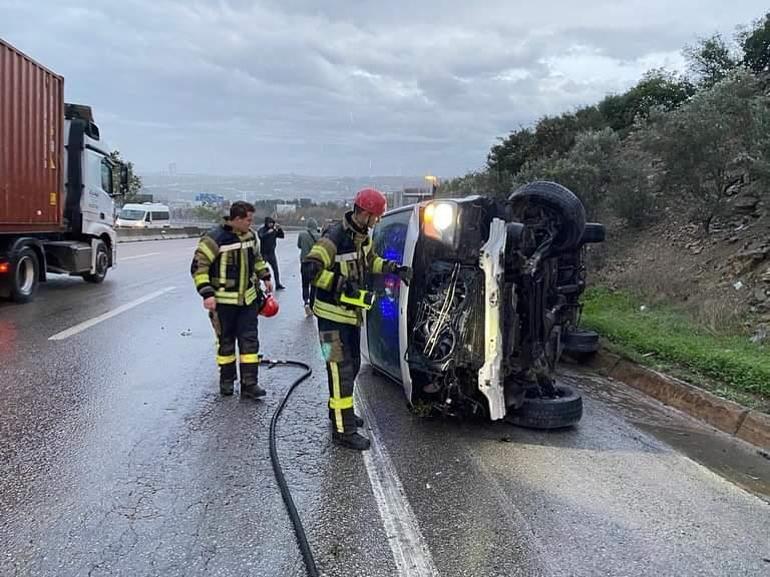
x=131, y=214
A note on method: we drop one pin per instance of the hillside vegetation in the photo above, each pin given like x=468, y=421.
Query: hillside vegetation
x=678, y=168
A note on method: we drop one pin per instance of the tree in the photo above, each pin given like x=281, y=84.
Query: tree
x=711, y=60
x=586, y=169
x=631, y=191
x=135, y=184
x=510, y=155
x=489, y=183
x=755, y=44
x=658, y=90
x=557, y=135
x=712, y=143
x=551, y=136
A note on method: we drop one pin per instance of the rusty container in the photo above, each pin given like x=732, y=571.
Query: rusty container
x=31, y=144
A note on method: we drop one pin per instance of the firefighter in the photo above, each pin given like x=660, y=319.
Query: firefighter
x=339, y=264
x=227, y=268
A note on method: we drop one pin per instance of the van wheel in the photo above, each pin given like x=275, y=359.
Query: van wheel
x=557, y=199
x=26, y=276
x=102, y=264
x=564, y=410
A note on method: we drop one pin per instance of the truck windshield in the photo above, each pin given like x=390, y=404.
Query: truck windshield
x=129, y=214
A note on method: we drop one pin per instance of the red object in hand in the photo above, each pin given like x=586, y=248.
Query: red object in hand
x=269, y=307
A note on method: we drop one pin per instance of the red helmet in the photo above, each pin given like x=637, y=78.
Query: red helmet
x=269, y=307
x=372, y=201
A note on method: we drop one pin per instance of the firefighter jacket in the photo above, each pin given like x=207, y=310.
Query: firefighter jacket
x=343, y=257
x=228, y=266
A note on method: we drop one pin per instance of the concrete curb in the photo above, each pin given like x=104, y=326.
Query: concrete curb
x=727, y=416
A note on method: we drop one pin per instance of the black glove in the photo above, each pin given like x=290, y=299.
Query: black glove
x=350, y=288
x=405, y=274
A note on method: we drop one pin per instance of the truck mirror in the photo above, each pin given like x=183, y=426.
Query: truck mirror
x=92, y=130
x=125, y=176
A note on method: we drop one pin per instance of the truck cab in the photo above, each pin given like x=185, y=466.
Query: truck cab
x=83, y=242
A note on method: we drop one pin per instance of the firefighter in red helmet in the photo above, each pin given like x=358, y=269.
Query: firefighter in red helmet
x=339, y=264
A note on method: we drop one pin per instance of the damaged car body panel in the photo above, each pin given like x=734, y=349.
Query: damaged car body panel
x=482, y=325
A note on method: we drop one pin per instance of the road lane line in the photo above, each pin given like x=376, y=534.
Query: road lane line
x=137, y=256
x=79, y=328
x=410, y=551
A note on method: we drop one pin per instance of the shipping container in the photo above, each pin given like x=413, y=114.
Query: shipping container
x=31, y=144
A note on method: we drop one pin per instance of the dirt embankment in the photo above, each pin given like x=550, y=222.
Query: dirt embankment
x=721, y=280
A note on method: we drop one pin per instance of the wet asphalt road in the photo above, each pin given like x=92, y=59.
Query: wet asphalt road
x=118, y=457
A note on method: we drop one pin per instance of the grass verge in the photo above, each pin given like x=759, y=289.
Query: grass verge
x=729, y=366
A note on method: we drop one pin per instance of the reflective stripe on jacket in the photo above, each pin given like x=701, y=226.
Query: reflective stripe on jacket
x=227, y=265
x=345, y=254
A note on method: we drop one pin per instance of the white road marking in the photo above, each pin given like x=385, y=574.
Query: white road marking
x=410, y=552
x=79, y=328
x=137, y=256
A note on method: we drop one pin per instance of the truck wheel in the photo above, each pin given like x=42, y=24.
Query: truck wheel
x=26, y=274
x=558, y=413
x=558, y=199
x=102, y=264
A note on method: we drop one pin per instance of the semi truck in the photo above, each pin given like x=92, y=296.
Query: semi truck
x=58, y=182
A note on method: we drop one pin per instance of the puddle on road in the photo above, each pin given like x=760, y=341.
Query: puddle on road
x=738, y=462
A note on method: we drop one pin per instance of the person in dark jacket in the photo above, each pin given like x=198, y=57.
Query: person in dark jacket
x=227, y=270
x=305, y=241
x=268, y=237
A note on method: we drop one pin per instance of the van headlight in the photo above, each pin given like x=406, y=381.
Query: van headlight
x=439, y=221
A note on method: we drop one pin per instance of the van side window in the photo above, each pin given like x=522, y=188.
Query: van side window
x=160, y=216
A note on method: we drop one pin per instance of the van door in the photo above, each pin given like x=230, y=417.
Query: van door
x=383, y=322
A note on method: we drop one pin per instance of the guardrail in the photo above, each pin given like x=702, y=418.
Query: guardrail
x=172, y=232
x=140, y=234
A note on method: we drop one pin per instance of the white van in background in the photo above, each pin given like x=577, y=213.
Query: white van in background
x=147, y=215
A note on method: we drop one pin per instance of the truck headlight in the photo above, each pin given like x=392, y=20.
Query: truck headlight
x=439, y=221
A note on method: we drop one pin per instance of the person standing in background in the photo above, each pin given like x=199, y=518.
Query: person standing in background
x=305, y=241
x=268, y=238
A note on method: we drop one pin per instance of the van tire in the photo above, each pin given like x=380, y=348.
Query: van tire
x=563, y=411
x=556, y=198
x=593, y=233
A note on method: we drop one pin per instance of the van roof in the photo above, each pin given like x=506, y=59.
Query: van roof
x=145, y=206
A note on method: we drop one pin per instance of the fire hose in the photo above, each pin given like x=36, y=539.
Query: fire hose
x=296, y=521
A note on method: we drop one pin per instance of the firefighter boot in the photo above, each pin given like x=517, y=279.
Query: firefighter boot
x=353, y=441
x=252, y=391
x=226, y=388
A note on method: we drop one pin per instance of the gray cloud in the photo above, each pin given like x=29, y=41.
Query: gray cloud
x=333, y=87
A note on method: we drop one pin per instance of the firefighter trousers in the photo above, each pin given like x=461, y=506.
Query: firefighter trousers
x=341, y=349
x=237, y=324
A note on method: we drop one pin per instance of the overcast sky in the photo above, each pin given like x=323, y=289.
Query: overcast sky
x=355, y=87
